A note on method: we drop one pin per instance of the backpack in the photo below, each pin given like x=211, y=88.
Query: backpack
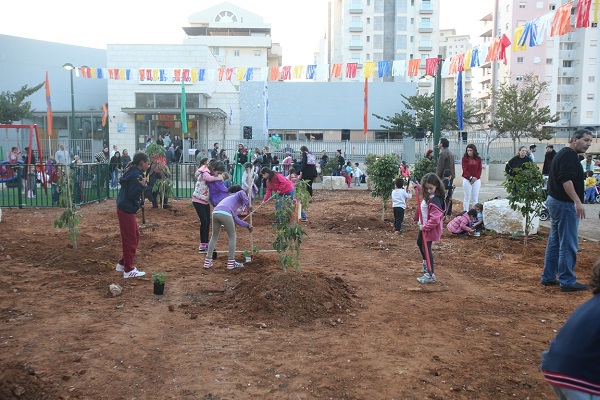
x=311, y=159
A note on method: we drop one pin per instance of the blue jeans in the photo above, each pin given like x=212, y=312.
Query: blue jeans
x=281, y=198
x=114, y=179
x=561, y=251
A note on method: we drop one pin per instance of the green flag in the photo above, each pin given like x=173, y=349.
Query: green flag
x=183, y=112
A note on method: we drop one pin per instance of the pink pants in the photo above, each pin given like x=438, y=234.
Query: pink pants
x=130, y=237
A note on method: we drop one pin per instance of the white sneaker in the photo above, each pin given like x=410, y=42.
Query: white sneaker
x=119, y=268
x=134, y=273
x=477, y=234
x=234, y=265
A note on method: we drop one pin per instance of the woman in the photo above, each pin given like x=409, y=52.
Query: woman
x=129, y=200
x=471, y=173
x=341, y=163
x=429, y=154
x=308, y=169
x=113, y=169
x=125, y=159
x=241, y=158
x=160, y=141
x=517, y=161
x=178, y=146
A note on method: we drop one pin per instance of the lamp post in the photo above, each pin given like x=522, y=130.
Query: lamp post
x=570, y=114
x=70, y=67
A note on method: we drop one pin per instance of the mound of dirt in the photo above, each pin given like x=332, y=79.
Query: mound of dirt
x=18, y=382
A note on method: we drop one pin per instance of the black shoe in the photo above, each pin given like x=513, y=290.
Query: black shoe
x=549, y=283
x=576, y=287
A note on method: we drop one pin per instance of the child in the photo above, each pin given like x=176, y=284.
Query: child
x=281, y=186
x=133, y=183
x=227, y=180
x=216, y=188
x=347, y=173
x=225, y=213
x=356, y=173
x=287, y=163
x=449, y=191
x=404, y=172
x=399, y=196
x=590, y=187
x=294, y=178
x=31, y=182
x=461, y=225
x=478, y=223
x=431, y=223
x=55, y=176
x=200, y=201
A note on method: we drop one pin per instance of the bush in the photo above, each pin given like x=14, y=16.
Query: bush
x=423, y=166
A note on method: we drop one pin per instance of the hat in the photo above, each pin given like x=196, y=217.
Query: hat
x=532, y=146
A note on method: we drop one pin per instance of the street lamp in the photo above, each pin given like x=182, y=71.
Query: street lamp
x=570, y=114
x=70, y=67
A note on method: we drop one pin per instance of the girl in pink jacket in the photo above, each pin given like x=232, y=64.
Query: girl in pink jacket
x=460, y=225
x=431, y=224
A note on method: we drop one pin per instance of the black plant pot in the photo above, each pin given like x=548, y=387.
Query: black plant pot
x=159, y=288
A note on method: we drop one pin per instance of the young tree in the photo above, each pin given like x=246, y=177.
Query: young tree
x=382, y=173
x=12, y=105
x=519, y=113
x=526, y=193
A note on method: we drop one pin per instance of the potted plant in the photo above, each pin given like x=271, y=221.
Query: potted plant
x=159, y=282
x=247, y=255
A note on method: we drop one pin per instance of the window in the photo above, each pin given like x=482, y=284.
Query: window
x=551, y=7
x=567, y=64
x=236, y=53
x=377, y=23
x=589, y=114
x=519, y=78
x=412, y=39
x=591, y=79
x=378, y=6
x=401, y=23
x=592, y=61
x=401, y=4
x=590, y=96
x=520, y=60
x=548, y=61
x=522, y=5
x=520, y=22
x=369, y=21
x=257, y=53
x=368, y=39
x=378, y=42
x=425, y=23
x=368, y=57
x=593, y=43
x=401, y=41
x=216, y=51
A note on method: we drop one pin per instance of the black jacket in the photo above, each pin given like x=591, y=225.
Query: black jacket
x=130, y=195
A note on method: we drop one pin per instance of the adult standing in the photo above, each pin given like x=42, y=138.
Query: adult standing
x=178, y=147
x=471, y=174
x=102, y=158
x=114, y=150
x=323, y=161
x=308, y=168
x=160, y=141
x=113, y=168
x=565, y=206
x=214, y=153
x=548, y=157
x=341, y=163
x=532, y=149
x=241, y=158
x=587, y=164
x=445, y=160
x=62, y=156
x=517, y=161
x=167, y=140
x=125, y=159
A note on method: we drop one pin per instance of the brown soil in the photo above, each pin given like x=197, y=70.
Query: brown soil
x=352, y=324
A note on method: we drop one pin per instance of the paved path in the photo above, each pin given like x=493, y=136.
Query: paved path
x=589, y=228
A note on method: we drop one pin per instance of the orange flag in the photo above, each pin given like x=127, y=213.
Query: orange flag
x=104, y=114
x=48, y=107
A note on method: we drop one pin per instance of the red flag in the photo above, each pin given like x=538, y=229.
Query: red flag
x=366, y=116
x=48, y=108
x=104, y=114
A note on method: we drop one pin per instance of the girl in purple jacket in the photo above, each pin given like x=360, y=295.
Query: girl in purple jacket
x=431, y=223
x=225, y=213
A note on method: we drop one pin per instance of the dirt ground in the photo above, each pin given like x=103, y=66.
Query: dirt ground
x=352, y=324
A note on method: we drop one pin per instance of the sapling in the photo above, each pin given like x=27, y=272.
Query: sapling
x=70, y=217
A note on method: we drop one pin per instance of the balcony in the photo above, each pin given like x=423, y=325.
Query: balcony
x=356, y=8
x=356, y=26
x=425, y=27
x=567, y=54
x=425, y=45
x=566, y=71
x=426, y=8
x=356, y=45
x=565, y=89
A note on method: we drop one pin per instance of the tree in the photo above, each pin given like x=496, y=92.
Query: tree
x=162, y=185
x=422, y=115
x=423, y=166
x=12, y=105
x=526, y=192
x=382, y=173
x=519, y=113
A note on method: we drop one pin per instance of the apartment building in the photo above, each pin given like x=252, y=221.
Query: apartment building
x=376, y=30
x=450, y=45
x=568, y=63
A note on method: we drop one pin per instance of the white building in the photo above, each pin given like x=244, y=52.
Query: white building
x=450, y=45
x=376, y=30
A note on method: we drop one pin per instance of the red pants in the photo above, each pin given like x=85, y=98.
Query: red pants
x=130, y=237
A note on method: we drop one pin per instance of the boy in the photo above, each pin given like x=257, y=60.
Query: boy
x=590, y=187
x=356, y=173
x=399, y=196
x=478, y=223
x=447, y=181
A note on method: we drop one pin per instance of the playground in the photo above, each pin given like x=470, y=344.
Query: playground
x=353, y=323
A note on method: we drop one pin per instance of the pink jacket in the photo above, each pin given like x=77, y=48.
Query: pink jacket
x=434, y=225
x=460, y=224
x=279, y=184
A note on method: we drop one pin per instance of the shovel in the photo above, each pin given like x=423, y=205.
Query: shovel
x=144, y=227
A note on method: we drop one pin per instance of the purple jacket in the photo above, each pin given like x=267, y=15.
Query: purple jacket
x=232, y=203
x=217, y=191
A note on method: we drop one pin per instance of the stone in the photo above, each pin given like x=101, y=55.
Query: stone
x=334, y=183
x=115, y=290
x=499, y=217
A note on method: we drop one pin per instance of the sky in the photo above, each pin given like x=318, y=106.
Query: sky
x=154, y=22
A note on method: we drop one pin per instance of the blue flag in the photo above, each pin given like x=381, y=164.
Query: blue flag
x=459, y=102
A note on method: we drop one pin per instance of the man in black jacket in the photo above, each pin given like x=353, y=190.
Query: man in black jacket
x=548, y=157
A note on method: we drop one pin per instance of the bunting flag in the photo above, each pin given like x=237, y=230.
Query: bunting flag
x=351, y=70
x=459, y=102
x=286, y=73
x=366, y=111
x=561, y=25
x=413, y=67
x=104, y=114
x=183, y=111
x=368, y=69
x=48, y=107
x=336, y=70
x=431, y=66
x=274, y=73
